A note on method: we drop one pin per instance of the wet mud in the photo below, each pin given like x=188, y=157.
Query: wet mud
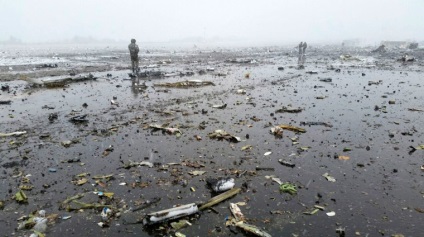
x=360, y=127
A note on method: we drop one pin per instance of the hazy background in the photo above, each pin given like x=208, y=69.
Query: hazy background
x=248, y=21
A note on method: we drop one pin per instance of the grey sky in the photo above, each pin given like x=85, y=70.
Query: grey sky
x=249, y=20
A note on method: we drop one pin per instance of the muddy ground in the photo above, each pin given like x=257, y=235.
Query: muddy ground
x=372, y=110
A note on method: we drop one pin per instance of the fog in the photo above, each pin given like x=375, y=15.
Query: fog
x=257, y=21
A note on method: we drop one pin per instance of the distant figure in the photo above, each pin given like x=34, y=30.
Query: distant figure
x=303, y=52
x=300, y=53
x=133, y=47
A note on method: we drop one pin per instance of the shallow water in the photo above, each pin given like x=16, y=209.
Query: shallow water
x=377, y=198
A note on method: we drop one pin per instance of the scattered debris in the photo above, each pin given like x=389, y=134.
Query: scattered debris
x=420, y=210
x=241, y=92
x=240, y=61
x=80, y=181
x=347, y=149
x=326, y=79
x=76, y=205
x=286, y=163
x=200, y=167
x=147, y=204
x=419, y=147
x=79, y=119
x=180, y=224
x=18, y=133
x=247, y=147
x=303, y=148
x=103, y=224
x=186, y=210
x=239, y=221
x=277, y=131
x=331, y=213
x=341, y=231
x=329, y=178
x=344, y=157
x=316, y=124
x=288, y=188
x=5, y=102
x=292, y=128
x=264, y=168
x=64, y=204
x=165, y=129
x=220, y=185
x=113, y=102
x=65, y=81
x=47, y=66
x=21, y=197
x=348, y=57
x=66, y=143
x=415, y=110
x=5, y=87
x=223, y=135
x=151, y=74
x=398, y=235
x=179, y=234
x=289, y=110
x=197, y=172
x=107, y=151
x=48, y=107
x=222, y=106
x=53, y=116
x=219, y=198
x=106, y=213
x=252, y=229
x=406, y=58
x=375, y=82
x=186, y=84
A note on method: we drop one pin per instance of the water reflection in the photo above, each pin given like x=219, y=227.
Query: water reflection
x=137, y=85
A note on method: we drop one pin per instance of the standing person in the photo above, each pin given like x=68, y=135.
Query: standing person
x=303, y=52
x=133, y=47
x=300, y=53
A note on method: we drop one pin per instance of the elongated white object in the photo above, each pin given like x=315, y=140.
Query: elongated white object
x=170, y=214
x=331, y=213
x=12, y=134
x=221, y=185
x=252, y=229
x=219, y=106
x=236, y=212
